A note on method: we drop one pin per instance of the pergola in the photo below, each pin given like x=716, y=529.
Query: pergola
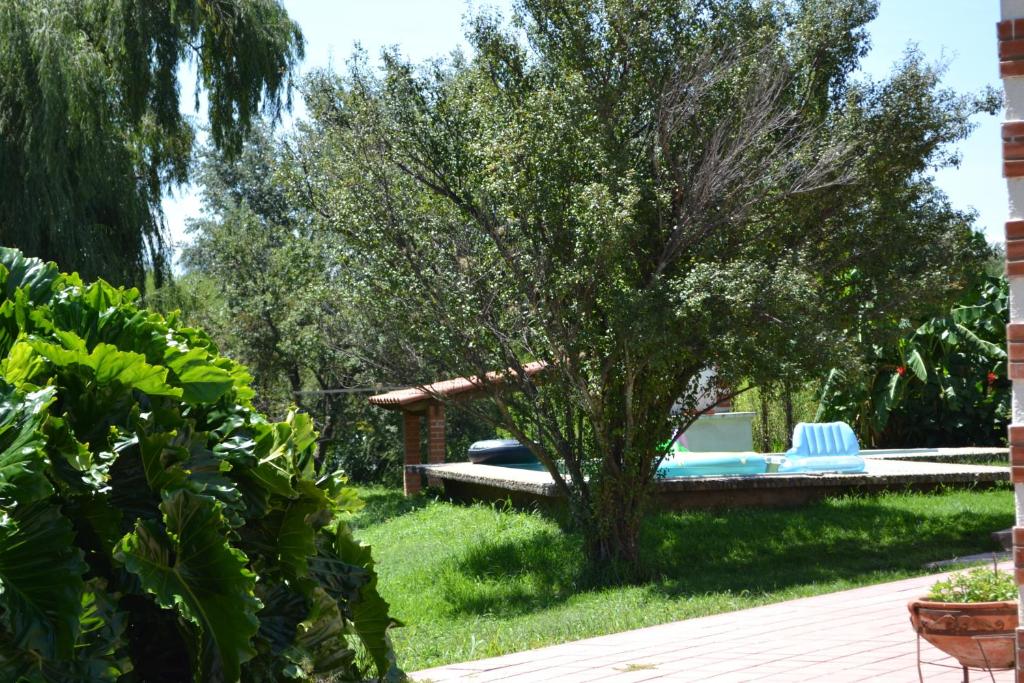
x=428, y=401
x=1011, y=68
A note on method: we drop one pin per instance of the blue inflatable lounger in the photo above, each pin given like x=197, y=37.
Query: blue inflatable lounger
x=821, y=447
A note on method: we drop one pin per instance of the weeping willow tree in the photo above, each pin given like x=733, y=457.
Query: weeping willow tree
x=91, y=129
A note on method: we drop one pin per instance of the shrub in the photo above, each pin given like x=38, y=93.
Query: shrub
x=153, y=526
x=982, y=584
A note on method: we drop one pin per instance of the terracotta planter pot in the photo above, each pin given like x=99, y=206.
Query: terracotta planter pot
x=968, y=631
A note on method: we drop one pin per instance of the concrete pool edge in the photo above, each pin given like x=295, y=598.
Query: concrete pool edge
x=885, y=471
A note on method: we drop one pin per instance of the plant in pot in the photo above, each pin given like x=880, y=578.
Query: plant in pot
x=971, y=616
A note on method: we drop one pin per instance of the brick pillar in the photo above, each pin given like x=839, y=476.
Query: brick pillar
x=1010, y=32
x=436, y=453
x=412, y=481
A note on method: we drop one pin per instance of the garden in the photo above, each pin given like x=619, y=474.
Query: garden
x=586, y=214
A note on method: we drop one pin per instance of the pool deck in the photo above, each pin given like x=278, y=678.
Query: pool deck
x=918, y=469
x=857, y=635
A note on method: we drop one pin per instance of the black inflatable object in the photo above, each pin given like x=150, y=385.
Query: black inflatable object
x=500, y=452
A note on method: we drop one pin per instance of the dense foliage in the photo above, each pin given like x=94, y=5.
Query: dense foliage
x=91, y=128
x=633, y=192
x=944, y=384
x=153, y=526
x=266, y=283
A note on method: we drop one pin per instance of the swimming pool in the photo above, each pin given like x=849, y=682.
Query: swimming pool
x=751, y=464
x=818, y=448
x=682, y=465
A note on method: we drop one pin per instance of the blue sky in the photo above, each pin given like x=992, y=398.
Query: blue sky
x=959, y=33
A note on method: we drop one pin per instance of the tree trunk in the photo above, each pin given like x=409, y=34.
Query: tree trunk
x=326, y=435
x=612, y=530
x=787, y=406
x=766, y=441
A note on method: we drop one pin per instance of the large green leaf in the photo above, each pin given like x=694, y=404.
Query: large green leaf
x=287, y=536
x=102, y=623
x=21, y=364
x=161, y=460
x=41, y=582
x=885, y=397
x=190, y=567
x=344, y=568
x=283, y=610
x=343, y=498
x=35, y=277
x=917, y=365
x=967, y=315
x=200, y=380
x=296, y=540
x=829, y=390
x=109, y=364
x=275, y=458
x=979, y=345
x=22, y=461
x=308, y=637
x=321, y=639
x=98, y=656
x=72, y=462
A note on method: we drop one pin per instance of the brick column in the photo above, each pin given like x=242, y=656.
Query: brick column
x=412, y=481
x=1010, y=32
x=436, y=453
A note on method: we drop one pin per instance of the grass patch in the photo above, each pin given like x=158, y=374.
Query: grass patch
x=987, y=462
x=479, y=581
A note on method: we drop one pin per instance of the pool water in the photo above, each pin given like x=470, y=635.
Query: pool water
x=687, y=464
x=712, y=465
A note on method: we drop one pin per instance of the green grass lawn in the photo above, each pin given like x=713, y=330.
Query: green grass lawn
x=478, y=581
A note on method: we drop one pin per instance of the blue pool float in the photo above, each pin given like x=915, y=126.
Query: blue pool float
x=822, y=447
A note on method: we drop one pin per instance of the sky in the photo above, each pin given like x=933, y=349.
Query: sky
x=957, y=33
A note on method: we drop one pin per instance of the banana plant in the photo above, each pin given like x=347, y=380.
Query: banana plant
x=944, y=384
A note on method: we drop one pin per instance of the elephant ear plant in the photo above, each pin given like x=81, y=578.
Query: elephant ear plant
x=153, y=525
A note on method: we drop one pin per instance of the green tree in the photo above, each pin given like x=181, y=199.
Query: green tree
x=261, y=279
x=632, y=192
x=264, y=282
x=91, y=130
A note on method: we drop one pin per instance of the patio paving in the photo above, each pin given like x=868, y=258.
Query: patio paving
x=857, y=635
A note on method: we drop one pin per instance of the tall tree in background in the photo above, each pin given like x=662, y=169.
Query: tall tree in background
x=271, y=295
x=91, y=130
x=272, y=290
x=631, y=192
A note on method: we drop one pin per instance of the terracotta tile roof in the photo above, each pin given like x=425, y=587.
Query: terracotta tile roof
x=401, y=398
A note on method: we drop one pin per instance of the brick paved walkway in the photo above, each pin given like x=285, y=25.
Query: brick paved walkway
x=858, y=635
